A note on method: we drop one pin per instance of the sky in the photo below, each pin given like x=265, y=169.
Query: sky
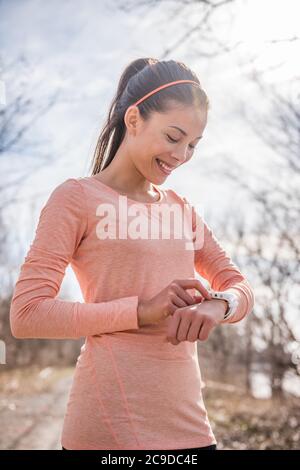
x=80, y=48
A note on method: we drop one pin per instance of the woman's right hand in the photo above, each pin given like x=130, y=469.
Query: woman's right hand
x=169, y=299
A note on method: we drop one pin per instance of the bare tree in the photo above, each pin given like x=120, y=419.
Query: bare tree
x=18, y=117
x=274, y=246
x=191, y=33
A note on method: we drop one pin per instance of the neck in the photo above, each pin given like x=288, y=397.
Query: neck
x=122, y=175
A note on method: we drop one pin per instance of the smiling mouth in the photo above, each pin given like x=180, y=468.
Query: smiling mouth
x=166, y=169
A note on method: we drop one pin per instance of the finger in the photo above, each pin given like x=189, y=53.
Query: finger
x=205, y=330
x=196, y=284
x=178, y=302
x=181, y=293
x=194, y=331
x=172, y=329
x=198, y=299
x=183, y=329
x=173, y=341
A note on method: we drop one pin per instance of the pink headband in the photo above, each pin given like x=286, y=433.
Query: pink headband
x=164, y=86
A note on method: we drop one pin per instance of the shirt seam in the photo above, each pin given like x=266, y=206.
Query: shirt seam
x=85, y=204
x=122, y=391
x=106, y=416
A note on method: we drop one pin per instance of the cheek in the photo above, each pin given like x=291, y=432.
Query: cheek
x=188, y=158
x=161, y=149
x=156, y=151
x=155, y=148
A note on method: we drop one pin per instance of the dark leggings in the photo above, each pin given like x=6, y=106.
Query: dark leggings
x=212, y=447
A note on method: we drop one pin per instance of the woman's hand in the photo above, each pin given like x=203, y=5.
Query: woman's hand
x=168, y=300
x=196, y=321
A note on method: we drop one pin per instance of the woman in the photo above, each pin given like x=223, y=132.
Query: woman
x=137, y=382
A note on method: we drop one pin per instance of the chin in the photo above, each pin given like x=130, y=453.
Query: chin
x=156, y=180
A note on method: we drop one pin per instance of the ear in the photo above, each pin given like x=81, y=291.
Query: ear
x=132, y=119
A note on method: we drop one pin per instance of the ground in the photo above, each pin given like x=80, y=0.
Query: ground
x=241, y=422
x=32, y=406
x=33, y=402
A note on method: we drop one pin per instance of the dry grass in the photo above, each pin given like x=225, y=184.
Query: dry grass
x=242, y=422
x=31, y=379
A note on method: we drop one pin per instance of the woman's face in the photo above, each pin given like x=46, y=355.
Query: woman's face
x=157, y=147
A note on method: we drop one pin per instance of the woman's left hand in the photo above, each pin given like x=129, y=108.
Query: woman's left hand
x=195, y=321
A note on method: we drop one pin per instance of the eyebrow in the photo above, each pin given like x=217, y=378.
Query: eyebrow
x=183, y=132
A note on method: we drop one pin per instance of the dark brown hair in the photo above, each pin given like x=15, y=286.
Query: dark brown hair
x=139, y=78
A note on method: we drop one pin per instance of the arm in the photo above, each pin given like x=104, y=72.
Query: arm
x=34, y=310
x=214, y=264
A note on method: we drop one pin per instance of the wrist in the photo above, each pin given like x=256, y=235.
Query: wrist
x=232, y=300
x=144, y=314
x=221, y=307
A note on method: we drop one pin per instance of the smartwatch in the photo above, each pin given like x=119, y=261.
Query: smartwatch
x=231, y=299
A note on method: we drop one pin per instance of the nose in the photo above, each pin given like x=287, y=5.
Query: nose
x=179, y=156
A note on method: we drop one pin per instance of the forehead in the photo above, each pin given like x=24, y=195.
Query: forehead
x=189, y=118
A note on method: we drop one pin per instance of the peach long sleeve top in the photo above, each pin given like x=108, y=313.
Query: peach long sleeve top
x=131, y=388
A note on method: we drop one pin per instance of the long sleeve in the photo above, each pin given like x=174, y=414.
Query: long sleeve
x=34, y=310
x=214, y=264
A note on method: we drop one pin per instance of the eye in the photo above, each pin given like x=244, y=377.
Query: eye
x=173, y=141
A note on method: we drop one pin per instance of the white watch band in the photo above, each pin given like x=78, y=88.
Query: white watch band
x=231, y=299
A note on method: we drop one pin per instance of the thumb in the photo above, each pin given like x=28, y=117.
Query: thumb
x=198, y=299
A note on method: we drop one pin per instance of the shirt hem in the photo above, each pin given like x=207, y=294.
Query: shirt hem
x=72, y=445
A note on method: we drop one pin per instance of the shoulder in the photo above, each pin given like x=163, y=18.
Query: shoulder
x=68, y=185
x=176, y=197
x=66, y=196
x=71, y=187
